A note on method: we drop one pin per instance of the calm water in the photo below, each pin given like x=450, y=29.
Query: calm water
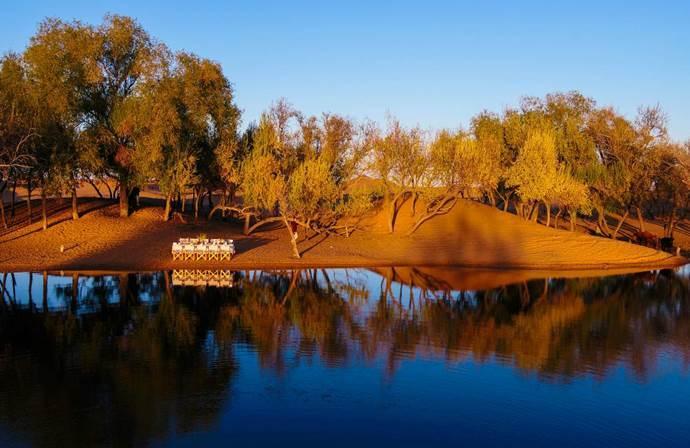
x=405, y=357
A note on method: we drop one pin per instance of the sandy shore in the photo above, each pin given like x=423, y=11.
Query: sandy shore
x=472, y=235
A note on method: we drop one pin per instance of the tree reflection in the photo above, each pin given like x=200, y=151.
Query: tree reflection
x=131, y=358
x=556, y=328
x=127, y=374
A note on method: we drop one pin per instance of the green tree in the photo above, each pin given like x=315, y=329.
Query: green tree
x=57, y=64
x=535, y=171
x=18, y=130
x=487, y=130
x=399, y=159
x=126, y=60
x=298, y=170
x=186, y=118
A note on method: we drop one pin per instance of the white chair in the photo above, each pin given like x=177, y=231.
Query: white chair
x=224, y=252
x=201, y=251
x=213, y=252
x=176, y=251
x=188, y=251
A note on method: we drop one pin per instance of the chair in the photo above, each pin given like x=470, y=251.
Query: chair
x=188, y=251
x=201, y=251
x=224, y=252
x=213, y=252
x=176, y=251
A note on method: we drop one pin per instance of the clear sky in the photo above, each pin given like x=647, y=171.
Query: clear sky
x=432, y=63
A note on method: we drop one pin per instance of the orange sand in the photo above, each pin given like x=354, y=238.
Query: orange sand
x=472, y=235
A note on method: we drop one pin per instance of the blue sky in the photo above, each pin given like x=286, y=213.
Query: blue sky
x=432, y=63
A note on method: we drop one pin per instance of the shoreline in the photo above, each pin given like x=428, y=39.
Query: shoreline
x=442, y=277
x=294, y=264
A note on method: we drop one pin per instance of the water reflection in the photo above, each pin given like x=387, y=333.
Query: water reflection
x=131, y=358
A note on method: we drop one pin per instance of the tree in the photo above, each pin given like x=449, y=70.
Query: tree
x=487, y=130
x=652, y=135
x=571, y=196
x=18, y=130
x=626, y=152
x=229, y=159
x=399, y=160
x=535, y=172
x=298, y=170
x=671, y=186
x=212, y=117
x=59, y=72
x=126, y=60
x=186, y=118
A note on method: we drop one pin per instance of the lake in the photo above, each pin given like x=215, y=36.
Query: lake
x=356, y=357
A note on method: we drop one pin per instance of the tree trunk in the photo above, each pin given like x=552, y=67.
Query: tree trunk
x=210, y=199
x=415, y=196
x=444, y=206
x=620, y=224
x=263, y=222
x=111, y=193
x=231, y=194
x=183, y=199
x=492, y=198
x=601, y=222
x=640, y=219
x=75, y=206
x=548, y=214
x=196, y=204
x=166, y=212
x=534, y=212
x=671, y=223
x=95, y=187
x=44, y=212
x=573, y=220
x=293, y=238
x=2, y=212
x=2, y=206
x=506, y=200
x=14, y=197
x=557, y=217
x=247, y=221
x=28, y=200
x=673, y=227
x=124, y=201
